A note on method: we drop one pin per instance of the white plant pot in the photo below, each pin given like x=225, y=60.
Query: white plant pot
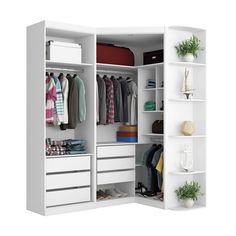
x=189, y=203
x=188, y=57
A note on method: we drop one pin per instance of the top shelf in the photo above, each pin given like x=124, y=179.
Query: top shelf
x=189, y=64
x=67, y=65
x=126, y=68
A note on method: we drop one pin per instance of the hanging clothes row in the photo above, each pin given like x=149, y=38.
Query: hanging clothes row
x=116, y=100
x=153, y=161
x=65, y=100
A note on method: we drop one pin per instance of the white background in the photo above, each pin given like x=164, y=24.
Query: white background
x=219, y=18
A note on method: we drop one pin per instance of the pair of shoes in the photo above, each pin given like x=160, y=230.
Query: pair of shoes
x=116, y=193
x=159, y=196
x=102, y=195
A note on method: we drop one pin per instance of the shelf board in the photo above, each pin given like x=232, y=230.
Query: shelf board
x=153, y=89
x=186, y=100
x=187, y=173
x=187, y=137
x=182, y=208
x=190, y=64
x=151, y=134
x=68, y=156
x=114, y=143
x=150, y=65
x=138, y=164
x=67, y=65
x=153, y=111
x=115, y=67
x=126, y=68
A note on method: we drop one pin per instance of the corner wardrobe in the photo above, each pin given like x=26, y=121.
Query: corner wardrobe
x=86, y=165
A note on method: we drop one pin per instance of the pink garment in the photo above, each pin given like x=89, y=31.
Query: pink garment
x=51, y=97
x=110, y=101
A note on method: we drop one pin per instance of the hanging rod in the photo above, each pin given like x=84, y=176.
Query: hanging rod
x=156, y=140
x=115, y=72
x=64, y=69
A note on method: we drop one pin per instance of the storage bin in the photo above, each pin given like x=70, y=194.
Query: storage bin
x=153, y=57
x=63, y=52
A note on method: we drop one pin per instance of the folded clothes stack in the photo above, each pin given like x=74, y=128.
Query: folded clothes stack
x=127, y=133
x=150, y=106
x=65, y=147
x=151, y=83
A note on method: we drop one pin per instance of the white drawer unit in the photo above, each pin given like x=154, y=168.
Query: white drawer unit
x=115, y=164
x=115, y=151
x=61, y=197
x=115, y=177
x=67, y=164
x=67, y=180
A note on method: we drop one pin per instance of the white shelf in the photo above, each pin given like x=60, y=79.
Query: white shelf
x=153, y=89
x=183, y=208
x=67, y=65
x=69, y=156
x=189, y=64
x=187, y=137
x=152, y=134
x=186, y=100
x=126, y=68
x=187, y=173
x=150, y=65
x=153, y=111
x=115, y=67
x=138, y=164
x=115, y=143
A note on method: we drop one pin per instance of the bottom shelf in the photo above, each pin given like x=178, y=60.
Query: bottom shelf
x=150, y=201
x=183, y=208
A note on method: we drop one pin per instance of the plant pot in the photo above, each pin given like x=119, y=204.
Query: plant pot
x=189, y=203
x=188, y=57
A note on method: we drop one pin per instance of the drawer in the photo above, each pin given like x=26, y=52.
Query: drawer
x=67, y=180
x=115, y=164
x=68, y=196
x=115, y=177
x=67, y=164
x=115, y=151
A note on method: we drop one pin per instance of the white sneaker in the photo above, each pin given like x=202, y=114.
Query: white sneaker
x=121, y=193
x=113, y=193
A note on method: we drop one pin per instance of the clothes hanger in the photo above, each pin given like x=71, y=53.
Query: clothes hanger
x=51, y=74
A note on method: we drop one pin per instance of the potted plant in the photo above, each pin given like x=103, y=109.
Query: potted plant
x=188, y=193
x=189, y=49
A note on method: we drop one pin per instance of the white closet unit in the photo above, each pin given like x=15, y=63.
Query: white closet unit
x=59, y=184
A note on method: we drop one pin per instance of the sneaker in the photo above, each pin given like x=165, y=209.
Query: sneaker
x=104, y=195
x=99, y=196
x=121, y=193
x=113, y=193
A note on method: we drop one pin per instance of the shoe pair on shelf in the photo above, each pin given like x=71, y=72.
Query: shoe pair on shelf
x=110, y=193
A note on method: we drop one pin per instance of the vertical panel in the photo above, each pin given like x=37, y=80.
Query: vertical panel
x=35, y=117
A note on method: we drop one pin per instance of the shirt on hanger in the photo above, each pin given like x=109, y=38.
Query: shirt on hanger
x=65, y=91
x=82, y=100
x=102, y=100
x=50, y=99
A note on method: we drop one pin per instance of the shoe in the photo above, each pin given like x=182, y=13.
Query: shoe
x=104, y=195
x=113, y=193
x=99, y=196
x=120, y=192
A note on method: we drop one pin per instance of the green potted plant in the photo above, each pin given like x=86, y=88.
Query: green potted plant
x=189, y=48
x=188, y=193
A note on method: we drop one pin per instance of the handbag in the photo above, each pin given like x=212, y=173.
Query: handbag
x=158, y=127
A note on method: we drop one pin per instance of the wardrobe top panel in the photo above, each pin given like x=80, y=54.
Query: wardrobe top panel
x=67, y=30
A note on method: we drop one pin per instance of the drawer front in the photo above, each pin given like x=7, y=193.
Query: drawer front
x=115, y=164
x=67, y=180
x=115, y=151
x=67, y=196
x=115, y=177
x=67, y=164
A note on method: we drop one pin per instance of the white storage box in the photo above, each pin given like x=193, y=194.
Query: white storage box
x=63, y=52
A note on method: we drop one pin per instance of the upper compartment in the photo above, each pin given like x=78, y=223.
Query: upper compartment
x=137, y=42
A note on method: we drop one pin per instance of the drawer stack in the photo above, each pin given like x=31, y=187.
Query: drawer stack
x=115, y=164
x=68, y=180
